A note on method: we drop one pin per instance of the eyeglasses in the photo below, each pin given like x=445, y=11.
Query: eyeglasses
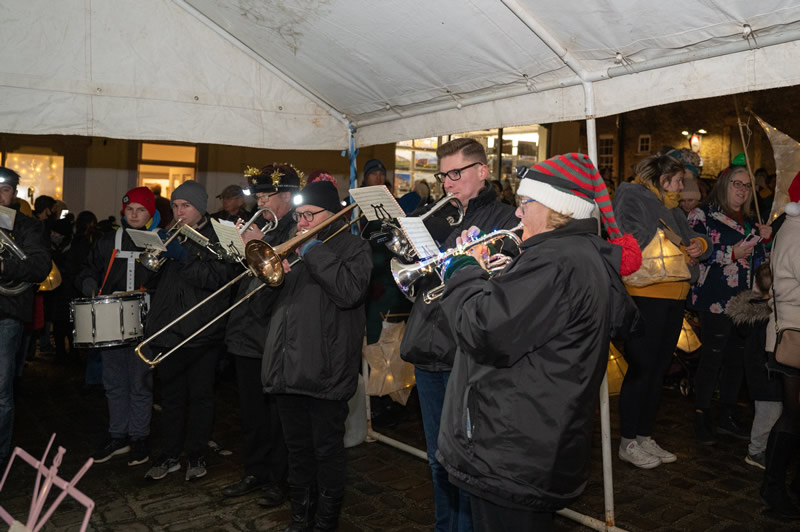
x=307, y=216
x=739, y=184
x=453, y=175
x=265, y=195
x=522, y=203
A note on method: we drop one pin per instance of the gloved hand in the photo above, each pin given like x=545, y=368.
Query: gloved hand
x=89, y=287
x=458, y=262
x=174, y=249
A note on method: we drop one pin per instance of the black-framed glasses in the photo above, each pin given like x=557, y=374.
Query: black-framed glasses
x=307, y=216
x=453, y=175
x=265, y=195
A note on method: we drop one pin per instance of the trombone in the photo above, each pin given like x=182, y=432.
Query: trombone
x=405, y=275
x=262, y=261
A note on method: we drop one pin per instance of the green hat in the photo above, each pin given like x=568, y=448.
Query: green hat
x=739, y=160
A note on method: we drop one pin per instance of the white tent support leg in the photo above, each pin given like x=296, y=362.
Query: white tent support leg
x=373, y=436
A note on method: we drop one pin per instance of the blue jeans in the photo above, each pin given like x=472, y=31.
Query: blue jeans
x=129, y=389
x=451, y=504
x=10, y=336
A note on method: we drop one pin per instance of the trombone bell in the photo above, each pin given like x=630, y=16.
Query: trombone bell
x=264, y=262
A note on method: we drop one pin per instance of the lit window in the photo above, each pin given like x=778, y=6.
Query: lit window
x=644, y=144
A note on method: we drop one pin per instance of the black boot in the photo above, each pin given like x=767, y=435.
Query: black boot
x=730, y=424
x=702, y=428
x=300, y=502
x=780, y=448
x=329, y=506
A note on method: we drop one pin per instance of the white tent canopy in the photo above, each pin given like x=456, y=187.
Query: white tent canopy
x=296, y=75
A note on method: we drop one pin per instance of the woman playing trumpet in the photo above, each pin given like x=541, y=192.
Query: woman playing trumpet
x=532, y=350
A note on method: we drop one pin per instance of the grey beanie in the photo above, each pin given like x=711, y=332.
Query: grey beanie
x=194, y=193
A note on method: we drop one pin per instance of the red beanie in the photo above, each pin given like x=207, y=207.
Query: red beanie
x=143, y=196
x=794, y=189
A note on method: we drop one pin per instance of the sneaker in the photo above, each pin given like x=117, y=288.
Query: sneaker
x=112, y=447
x=650, y=446
x=634, y=454
x=758, y=460
x=163, y=468
x=140, y=452
x=196, y=469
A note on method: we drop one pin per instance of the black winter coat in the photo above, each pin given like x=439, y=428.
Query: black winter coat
x=316, y=328
x=96, y=264
x=29, y=235
x=428, y=342
x=247, y=325
x=532, y=350
x=182, y=283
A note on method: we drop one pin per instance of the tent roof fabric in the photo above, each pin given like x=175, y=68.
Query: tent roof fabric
x=293, y=75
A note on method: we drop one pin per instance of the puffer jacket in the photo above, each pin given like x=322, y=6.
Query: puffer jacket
x=316, y=327
x=427, y=342
x=247, y=324
x=29, y=235
x=785, y=263
x=184, y=282
x=532, y=350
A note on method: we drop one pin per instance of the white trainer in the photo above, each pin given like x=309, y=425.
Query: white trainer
x=650, y=446
x=634, y=454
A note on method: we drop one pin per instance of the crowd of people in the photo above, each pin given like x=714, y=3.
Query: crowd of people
x=591, y=266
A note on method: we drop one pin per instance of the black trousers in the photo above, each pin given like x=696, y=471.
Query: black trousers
x=721, y=357
x=648, y=356
x=314, y=433
x=490, y=517
x=263, y=449
x=187, y=400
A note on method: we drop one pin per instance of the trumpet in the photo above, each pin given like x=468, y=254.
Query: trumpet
x=12, y=288
x=263, y=262
x=150, y=259
x=406, y=275
x=399, y=244
x=269, y=226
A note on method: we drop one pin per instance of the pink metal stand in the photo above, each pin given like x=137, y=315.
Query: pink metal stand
x=46, y=478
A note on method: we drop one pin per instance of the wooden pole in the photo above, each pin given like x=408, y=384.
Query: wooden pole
x=747, y=160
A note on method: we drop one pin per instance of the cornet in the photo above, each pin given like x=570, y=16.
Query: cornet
x=405, y=275
x=399, y=244
x=269, y=226
x=150, y=259
x=12, y=288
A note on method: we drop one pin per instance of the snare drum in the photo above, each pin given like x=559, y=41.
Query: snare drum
x=106, y=321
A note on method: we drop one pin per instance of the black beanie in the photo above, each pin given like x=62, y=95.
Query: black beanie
x=322, y=194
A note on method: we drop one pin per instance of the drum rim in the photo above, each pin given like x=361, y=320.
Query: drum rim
x=107, y=299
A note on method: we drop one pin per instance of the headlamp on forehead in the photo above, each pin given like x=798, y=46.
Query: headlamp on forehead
x=297, y=200
x=8, y=177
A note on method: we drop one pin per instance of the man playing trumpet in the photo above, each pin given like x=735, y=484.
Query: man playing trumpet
x=263, y=449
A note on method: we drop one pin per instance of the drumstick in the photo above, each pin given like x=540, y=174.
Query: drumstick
x=110, y=263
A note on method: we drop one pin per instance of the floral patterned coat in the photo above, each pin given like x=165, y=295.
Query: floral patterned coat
x=721, y=277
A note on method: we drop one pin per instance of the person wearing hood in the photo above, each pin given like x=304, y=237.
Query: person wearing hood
x=647, y=208
x=785, y=436
x=532, y=349
x=112, y=267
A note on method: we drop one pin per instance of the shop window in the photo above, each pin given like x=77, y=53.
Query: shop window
x=644, y=144
x=605, y=152
x=167, y=165
x=40, y=175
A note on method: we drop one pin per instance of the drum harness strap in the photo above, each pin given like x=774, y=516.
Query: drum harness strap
x=131, y=257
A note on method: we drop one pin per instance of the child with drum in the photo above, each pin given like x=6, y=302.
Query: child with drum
x=112, y=281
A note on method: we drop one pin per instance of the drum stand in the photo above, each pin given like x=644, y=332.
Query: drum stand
x=605, y=438
x=46, y=478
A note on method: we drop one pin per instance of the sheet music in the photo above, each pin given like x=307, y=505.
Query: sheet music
x=228, y=235
x=7, y=217
x=146, y=239
x=418, y=235
x=377, y=203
